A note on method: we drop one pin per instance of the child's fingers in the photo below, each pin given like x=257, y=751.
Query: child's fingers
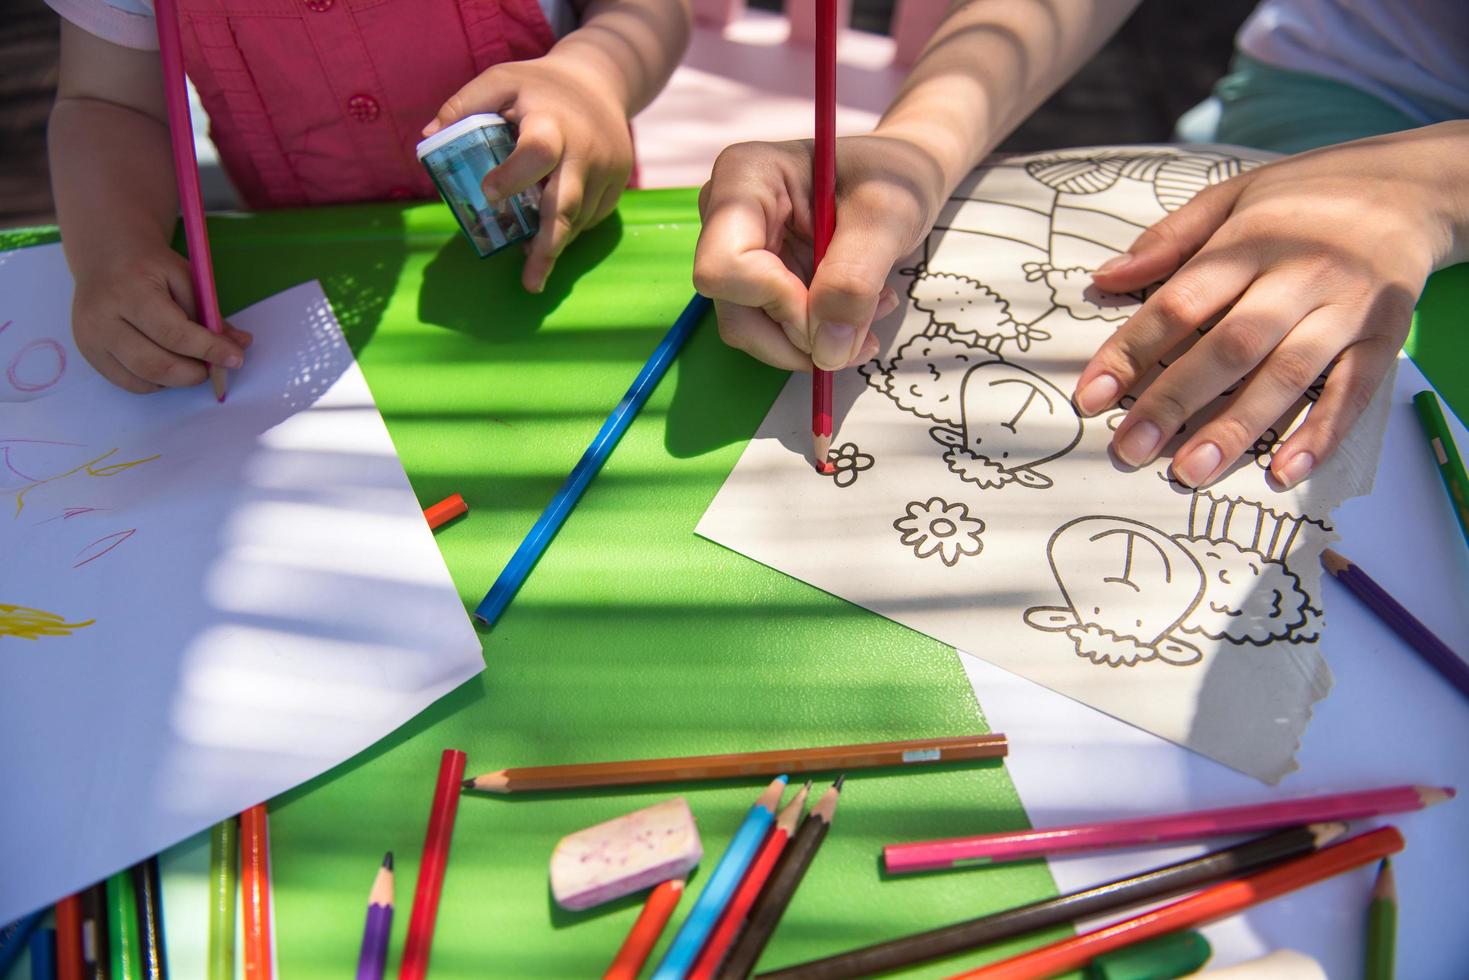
x=538, y=149
x=1207, y=284
x=845, y=290
x=750, y=330
x=733, y=264
x=1349, y=389
x=1165, y=246
x=1258, y=322
x=490, y=91
x=146, y=360
x=111, y=369
x=1263, y=399
x=243, y=338
x=561, y=206
x=159, y=318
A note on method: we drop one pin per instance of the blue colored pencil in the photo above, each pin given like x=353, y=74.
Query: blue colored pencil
x=43, y=954
x=720, y=888
x=556, y=511
x=14, y=936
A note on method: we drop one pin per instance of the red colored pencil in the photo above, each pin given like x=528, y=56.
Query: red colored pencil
x=1149, y=831
x=255, y=892
x=69, y=965
x=1202, y=907
x=824, y=205
x=431, y=868
x=732, y=920
x=186, y=173
x=643, y=936
x=445, y=511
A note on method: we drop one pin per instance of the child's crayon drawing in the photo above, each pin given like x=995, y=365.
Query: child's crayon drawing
x=32, y=624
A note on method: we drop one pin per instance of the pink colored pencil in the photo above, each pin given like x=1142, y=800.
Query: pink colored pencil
x=1145, y=831
x=186, y=172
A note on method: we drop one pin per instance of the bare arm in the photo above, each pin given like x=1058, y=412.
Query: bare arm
x=633, y=45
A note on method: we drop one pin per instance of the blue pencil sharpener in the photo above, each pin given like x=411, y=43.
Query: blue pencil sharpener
x=458, y=157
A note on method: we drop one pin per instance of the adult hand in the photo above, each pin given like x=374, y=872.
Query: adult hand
x=134, y=321
x=1311, y=263
x=755, y=250
x=573, y=134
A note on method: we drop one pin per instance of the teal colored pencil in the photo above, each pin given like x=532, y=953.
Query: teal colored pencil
x=728, y=874
x=1445, y=455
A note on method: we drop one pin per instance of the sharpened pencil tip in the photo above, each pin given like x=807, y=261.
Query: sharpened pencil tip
x=467, y=784
x=1333, y=562
x=838, y=784
x=388, y=860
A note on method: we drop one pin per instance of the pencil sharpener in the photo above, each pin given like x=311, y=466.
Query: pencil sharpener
x=458, y=157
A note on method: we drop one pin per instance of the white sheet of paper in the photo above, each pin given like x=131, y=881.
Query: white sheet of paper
x=971, y=502
x=227, y=599
x=1391, y=719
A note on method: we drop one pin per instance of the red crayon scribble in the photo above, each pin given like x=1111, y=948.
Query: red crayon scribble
x=5, y=324
x=115, y=539
x=67, y=513
x=5, y=445
x=112, y=469
x=13, y=371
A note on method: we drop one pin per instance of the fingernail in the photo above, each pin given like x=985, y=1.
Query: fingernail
x=1138, y=446
x=1097, y=394
x=1296, y=469
x=833, y=345
x=233, y=360
x=431, y=128
x=1195, y=468
x=1115, y=264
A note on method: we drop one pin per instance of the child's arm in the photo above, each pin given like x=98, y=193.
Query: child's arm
x=987, y=66
x=116, y=202
x=1315, y=262
x=572, y=109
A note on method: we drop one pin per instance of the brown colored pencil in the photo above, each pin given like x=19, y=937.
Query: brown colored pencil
x=740, y=764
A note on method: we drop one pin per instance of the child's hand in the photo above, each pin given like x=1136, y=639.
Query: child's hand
x=754, y=253
x=1311, y=262
x=570, y=128
x=133, y=321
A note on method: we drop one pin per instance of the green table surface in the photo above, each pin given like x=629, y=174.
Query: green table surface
x=633, y=637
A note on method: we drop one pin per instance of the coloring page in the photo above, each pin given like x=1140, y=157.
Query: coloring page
x=202, y=605
x=972, y=503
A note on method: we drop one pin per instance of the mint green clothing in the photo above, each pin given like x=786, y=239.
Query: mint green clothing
x=1289, y=111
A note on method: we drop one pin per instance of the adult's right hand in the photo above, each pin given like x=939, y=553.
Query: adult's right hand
x=755, y=250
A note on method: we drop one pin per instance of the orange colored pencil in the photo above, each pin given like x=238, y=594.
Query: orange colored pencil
x=732, y=920
x=69, y=965
x=643, y=936
x=445, y=511
x=255, y=892
x=1202, y=907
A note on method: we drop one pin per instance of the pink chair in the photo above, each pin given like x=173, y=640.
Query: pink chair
x=802, y=15
x=718, y=13
x=914, y=22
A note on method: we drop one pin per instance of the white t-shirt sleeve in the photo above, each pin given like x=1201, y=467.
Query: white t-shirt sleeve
x=125, y=22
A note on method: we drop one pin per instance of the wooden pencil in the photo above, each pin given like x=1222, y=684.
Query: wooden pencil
x=96, y=950
x=1113, y=896
x=43, y=954
x=739, y=765
x=373, y=959
x=1445, y=455
x=69, y=963
x=781, y=888
x=255, y=892
x=823, y=208
x=14, y=937
x=1382, y=925
x=431, y=867
x=148, y=888
x=732, y=920
x=186, y=174
x=1215, y=902
x=643, y=936
x=122, y=927
x=224, y=886
x=1151, y=831
x=1428, y=646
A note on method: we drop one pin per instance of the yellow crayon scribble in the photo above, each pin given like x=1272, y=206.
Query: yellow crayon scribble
x=111, y=469
x=32, y=624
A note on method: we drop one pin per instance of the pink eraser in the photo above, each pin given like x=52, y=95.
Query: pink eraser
x=625, y=855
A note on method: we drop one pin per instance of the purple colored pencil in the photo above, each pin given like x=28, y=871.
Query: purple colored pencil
x=373, y=960
x=1448, y=663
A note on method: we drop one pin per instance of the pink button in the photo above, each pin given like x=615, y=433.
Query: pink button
x=319, y=6
x=363, y=108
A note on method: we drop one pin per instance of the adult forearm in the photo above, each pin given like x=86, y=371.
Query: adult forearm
x=112, y=178
x=632, y=45
x=988, y=66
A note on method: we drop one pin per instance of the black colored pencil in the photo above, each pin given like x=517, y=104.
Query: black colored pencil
x=148, y=888
x=1449, y=664
x=781, y=887
x=96, y=953
x=1113, y=896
